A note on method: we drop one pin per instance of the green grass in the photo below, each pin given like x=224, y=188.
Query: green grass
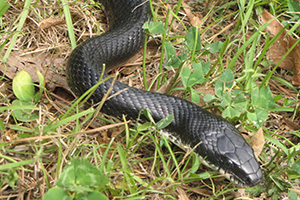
x=226, y=72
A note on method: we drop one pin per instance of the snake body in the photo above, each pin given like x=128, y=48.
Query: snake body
x=214, y=138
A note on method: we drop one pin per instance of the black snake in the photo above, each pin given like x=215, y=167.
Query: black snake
x=215, y=139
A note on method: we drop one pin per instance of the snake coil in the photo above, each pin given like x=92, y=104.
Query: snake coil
x=215, y=139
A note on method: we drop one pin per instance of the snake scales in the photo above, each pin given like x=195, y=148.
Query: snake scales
x=216, y=140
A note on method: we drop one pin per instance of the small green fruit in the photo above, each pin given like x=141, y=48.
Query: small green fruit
x=23, y=86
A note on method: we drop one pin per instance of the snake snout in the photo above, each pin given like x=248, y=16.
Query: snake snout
x=237, y=157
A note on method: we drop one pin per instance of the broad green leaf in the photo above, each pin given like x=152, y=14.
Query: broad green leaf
x=263, y=98
x=163, y=123
x=3, y=7
x=226, y=100
x=278, y=97
x=266, y=98
x=89, y=175
x=195, y=165
x=296, y=167
x=193, y=77
x=197, y=77
x=56, y=193
x=227, y=78
x=252, y=117
x=67, y=177
x=240, y=106
x=293, y=194
x=154, y=27
x=143, y=127
x=185, y=75
x=202, y=66
x=169, y=51
x=230, y=113
x=22, y=114
x=225, y=81
x=262, y=116
x=209, y=97
x=258, y=117
x=92, y=196
x=214, y=47
x=255, y=95
x=203, y=175
x=175, y=62
x=240, y=102
x=190, y=39
x=80, y=189
x=80, y=172
x=219, y=88
x=195, y=97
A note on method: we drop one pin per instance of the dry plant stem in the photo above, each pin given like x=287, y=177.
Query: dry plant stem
x=103, y=128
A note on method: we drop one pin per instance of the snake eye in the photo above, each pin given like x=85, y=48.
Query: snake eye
x=228, y=164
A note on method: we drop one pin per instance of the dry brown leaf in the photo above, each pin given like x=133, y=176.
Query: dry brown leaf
x=46, y=23
x=258, y=142
x=280, y=47
x=291, y=124
x=195, y=21
x=182, y=194
x=201, y=191
x=32, y=63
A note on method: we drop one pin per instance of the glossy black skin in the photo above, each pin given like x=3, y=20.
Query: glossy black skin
x=219, y=142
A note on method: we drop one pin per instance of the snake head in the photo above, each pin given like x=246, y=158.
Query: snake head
x=228, y=152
